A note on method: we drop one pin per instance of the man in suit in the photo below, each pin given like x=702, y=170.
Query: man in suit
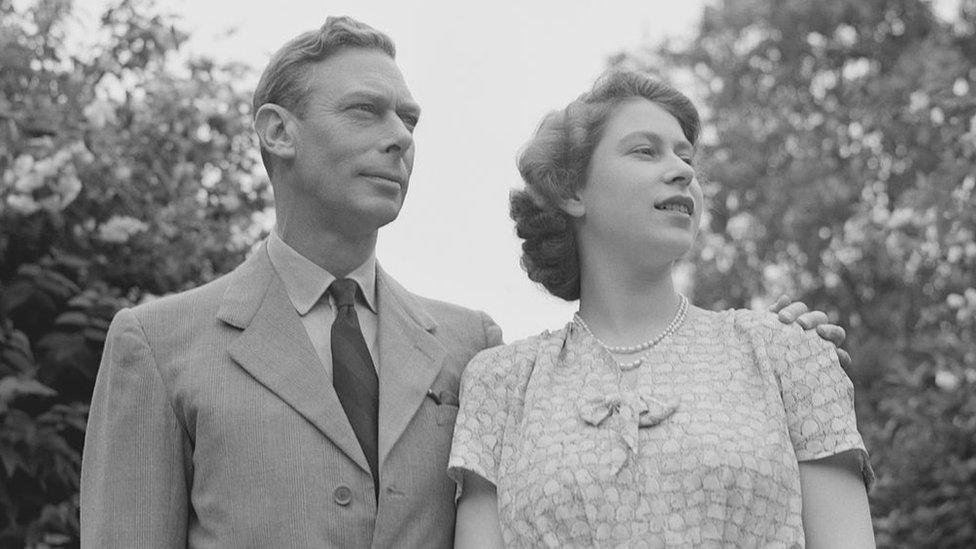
x=304, y=399
x=215, y=421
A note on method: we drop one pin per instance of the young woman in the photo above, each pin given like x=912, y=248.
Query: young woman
x=646, y=421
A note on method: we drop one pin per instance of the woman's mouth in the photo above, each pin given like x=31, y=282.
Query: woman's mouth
x=677, y=204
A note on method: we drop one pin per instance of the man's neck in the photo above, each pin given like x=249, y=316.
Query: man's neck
x=336, y=253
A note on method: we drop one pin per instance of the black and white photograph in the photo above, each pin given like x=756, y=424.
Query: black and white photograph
x=669, y=274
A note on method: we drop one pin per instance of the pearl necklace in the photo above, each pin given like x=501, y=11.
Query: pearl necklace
x=679, y=318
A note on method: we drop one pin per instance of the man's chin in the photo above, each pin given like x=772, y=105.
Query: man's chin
x=380, y=215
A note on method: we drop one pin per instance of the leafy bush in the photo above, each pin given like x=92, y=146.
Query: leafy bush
x=126, y=172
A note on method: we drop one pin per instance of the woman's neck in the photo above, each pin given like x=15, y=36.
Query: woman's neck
x=627, y=306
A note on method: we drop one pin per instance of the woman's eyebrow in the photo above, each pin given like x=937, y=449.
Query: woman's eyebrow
x=657, y=139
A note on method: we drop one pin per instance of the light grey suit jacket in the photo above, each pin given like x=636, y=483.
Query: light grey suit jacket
x=213, y=424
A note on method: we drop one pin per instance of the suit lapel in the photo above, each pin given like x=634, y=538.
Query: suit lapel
x=410, y=359
x=276, y=351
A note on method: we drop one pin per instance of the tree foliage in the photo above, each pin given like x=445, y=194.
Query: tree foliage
x=840, y=145
x=126, y=171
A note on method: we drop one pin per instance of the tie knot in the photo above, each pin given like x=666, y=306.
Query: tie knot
x=344, y=292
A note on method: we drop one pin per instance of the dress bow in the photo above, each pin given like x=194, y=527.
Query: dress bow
x=630, y=410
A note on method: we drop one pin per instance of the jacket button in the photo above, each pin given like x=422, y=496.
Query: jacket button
x=342, y=495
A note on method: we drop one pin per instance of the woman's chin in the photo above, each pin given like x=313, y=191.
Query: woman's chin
x=672, y=245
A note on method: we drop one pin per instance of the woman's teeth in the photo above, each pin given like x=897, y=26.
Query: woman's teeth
x=676, y=208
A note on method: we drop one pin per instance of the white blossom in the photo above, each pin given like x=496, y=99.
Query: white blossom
x=740, y=226
x=856, y=68
x=22, y=203
x=29, y=182
x=100, y=113
x=120, y=228
x=947, y=381
x=846, y=35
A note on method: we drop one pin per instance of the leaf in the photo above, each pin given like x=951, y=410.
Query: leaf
x=95, y=335
x=63, y=348
x=30, y=271
x=11, y=460
x=16, y=359
x=61, y=280
x=16, y=294
x=83, y=301
x=12, y=387
x=56, y=539
x=99, y=323
x=73, y=319
x=19, y=341
x=55, y=288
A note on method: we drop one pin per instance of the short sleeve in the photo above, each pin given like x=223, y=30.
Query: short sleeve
x=818, y=397
x=481, y=420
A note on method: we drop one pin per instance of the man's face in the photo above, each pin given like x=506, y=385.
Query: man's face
x=354, y=141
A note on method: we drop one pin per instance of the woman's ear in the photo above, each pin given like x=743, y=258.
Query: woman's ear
x=573, y=206
x=275, y=128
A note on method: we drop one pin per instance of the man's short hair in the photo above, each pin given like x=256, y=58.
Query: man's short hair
x=285, y=82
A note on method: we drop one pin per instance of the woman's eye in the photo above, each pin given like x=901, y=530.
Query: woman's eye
x=646, y=151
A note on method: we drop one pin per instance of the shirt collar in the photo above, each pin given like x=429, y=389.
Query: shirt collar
x=305, y=282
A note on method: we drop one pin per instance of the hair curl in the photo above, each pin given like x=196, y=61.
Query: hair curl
x=285, y=80
x=555, y=164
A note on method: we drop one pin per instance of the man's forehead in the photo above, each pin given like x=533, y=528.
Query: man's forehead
x=361, y=72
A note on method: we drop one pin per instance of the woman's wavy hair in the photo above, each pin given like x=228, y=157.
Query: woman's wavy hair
x=555, y=165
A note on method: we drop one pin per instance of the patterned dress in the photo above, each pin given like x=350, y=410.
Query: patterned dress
x=696, y=447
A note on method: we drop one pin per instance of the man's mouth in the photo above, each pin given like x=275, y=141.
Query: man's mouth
x=678, y=204
x=397, y=178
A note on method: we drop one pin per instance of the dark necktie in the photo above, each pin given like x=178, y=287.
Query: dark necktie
x=353, y=374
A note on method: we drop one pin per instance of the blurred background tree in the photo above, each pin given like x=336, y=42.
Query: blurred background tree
x=840, y=145
x=126, y=171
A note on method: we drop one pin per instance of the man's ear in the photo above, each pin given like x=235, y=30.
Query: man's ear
x=573, y=206
x=276, y=130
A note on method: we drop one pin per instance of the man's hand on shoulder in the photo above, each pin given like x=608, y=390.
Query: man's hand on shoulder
x=789, y=312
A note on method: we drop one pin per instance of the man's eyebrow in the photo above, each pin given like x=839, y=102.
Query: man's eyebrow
x=408, y=106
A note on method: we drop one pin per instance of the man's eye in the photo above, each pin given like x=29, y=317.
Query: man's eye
x=365, y=107
x=687, y=160
x=410, y=120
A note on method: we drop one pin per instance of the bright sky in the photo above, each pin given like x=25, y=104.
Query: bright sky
x=485, y=73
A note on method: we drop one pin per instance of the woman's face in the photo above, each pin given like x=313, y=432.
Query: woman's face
x=641, y=196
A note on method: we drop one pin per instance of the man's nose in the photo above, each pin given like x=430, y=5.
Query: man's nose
x=400, y=138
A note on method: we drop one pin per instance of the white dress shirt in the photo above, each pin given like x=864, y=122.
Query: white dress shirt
x=307, y=286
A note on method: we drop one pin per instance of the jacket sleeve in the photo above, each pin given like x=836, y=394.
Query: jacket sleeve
x=136, y=467
x=493, y=332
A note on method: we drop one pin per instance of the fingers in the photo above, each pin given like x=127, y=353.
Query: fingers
x=781, y=302
x=789, y=314
x=798, y=312
x=812, y=319
x=844, y=357
x=832, y=333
